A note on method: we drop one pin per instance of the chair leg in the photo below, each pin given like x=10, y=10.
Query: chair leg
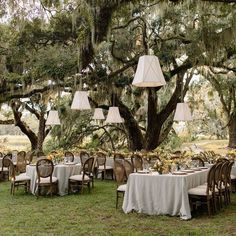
x=11, y=189
x=117, y=199
x=209, y=207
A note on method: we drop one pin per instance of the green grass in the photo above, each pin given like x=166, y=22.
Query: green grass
x=95, y=214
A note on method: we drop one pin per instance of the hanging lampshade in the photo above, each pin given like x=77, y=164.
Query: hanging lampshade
x=53, y=118
x=98, y=114
x=148, y=73
x=182, y=112
x=80, y=101
x=113, y=115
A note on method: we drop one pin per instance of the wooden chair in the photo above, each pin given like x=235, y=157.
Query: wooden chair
x=205, y=193
x=44, y=168
x=84, y=178
x=1, y=155
x=137, y=162
x=120, y=176
x=29, y=156
x=83, y=157
x=129, y=168
x=101, y=166
x=21, y=162
x=152, y=159
x=118, y=157
x=69, y=156
x=198, y=160
x=17, y=180
x=5, y=167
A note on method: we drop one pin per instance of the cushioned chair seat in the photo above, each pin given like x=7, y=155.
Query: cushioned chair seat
x=47, y=180
x=204, y=186
x=5, y=169
x=201, y=191
x=233, y=176
x=22, y=177
x=122, y=188
x=107, y=168
x=79, y=177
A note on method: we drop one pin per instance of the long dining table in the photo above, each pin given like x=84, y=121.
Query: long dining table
x=165, y=194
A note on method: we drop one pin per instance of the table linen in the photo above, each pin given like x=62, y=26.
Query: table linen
x=156, y=194
x=61, y=171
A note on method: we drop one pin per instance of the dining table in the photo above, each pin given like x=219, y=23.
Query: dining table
x=62, y=171
x=162, y=194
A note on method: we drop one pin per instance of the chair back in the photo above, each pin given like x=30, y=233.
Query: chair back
x=218, y=175
x=88, y=166
x=69, y=156
x=21, y=161
x=44, y=168
x=224, y=172
x=211, y=180
x=230, y=165
x=221, y=159
x=198, y=160
x=129, y=168
x=137, y=162
x=101, y=159
x=11, y=168
x=118, y=157
x=119, y=172
x=1, y=155
x=83, y=157
x=29, y=156
x=152, y=159
x=6, y=161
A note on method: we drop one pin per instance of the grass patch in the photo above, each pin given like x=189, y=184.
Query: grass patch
x=95, y=214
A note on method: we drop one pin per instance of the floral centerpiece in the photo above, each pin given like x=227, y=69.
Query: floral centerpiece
x=56, y=157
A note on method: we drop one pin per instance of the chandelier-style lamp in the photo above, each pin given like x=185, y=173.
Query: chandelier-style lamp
x=53, y=118
x=98, y=114
x=113, y=116
x=80, y=101
x=182, y=112
x=148, y=73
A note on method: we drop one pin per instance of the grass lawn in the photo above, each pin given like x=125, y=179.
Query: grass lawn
x=95, y=214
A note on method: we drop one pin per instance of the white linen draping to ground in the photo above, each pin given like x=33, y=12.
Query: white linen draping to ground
x=156, y=194
x=61, y=171
x=233, y=171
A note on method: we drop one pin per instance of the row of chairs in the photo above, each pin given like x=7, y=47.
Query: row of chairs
x=217, y=188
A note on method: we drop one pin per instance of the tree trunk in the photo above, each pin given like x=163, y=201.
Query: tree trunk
x=232, y=131
x=41, y=131
x=134, y=133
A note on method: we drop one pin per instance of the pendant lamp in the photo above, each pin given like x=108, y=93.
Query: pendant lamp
x=53, y=118
x=182, y=112
x=113, y=115
x=98, y=114
x=148, y=73
x=80, y=101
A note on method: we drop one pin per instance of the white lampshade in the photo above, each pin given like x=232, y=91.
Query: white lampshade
x=80, y=101
x=113, y=115
x=53, y=118
x=182, y=112
x=148, y=73
x=98, y=114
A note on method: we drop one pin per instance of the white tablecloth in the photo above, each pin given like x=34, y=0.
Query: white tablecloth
x=61, y=171
x=156, y=194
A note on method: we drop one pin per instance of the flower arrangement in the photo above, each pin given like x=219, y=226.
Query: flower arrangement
x=163, y=167
x=56, y=157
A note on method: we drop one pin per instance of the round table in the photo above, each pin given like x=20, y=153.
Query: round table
x=61, y=171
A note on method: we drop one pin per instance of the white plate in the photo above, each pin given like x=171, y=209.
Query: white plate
x=179, y=173
x=143, y=171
